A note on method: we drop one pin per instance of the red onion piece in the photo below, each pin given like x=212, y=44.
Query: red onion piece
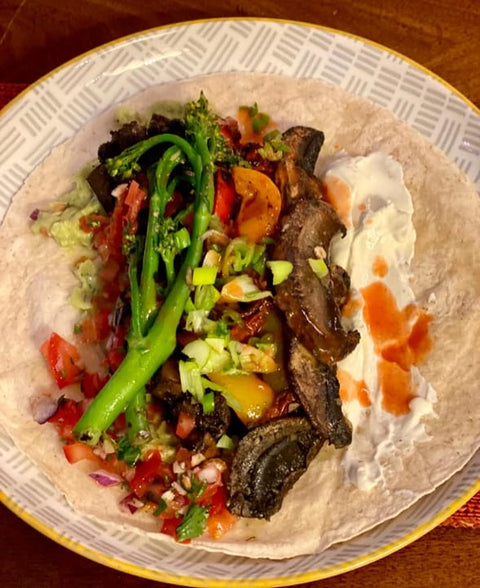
x=34, y=214
x=105, y=478
x=209, y=474
x=131, y=503
x=43, y=407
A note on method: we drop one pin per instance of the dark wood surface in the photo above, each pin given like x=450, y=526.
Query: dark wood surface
x=442, y=35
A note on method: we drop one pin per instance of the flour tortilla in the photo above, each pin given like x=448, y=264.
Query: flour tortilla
x=322, y=509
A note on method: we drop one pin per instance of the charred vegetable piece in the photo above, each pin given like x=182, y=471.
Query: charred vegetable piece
x=294, y=173
x=304, y=145
x=317, y=389
x=126, y=136
x=102, y=184
x=211, y=425
x=161, y=124
x=268, y=462
x=309, y=303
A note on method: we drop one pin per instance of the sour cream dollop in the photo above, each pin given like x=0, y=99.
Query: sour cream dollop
x=384, y=395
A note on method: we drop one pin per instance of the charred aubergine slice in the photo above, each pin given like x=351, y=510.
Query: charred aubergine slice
x=268, y=462
x=316, y=386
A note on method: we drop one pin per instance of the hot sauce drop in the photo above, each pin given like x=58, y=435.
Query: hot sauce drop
x=401, y=339
x=351, y=389
x=380, y=266
x=337, y=193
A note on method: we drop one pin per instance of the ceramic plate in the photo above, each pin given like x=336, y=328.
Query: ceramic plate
x=54, y=108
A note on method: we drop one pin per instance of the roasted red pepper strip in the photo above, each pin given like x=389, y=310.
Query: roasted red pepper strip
x=224, y=196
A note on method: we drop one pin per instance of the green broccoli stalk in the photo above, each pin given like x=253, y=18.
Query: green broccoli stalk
x=158, y=201
x=204, y=145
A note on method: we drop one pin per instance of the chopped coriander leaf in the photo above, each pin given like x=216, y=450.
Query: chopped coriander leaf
x=197, y=488
x=162, y=505
x=127, y=452
x=193, y=523
x=260, y=121
x=252, y=110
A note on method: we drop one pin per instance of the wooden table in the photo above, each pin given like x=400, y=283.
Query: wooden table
x=442, y=35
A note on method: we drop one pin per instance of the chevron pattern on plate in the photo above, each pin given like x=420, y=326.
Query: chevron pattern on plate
x=60, y=104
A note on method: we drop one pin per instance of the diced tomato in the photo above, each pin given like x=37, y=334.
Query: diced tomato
x=93, y=383
x=115, y=230
x=115, y=358
x=120, y=423
x=77, y=451
x=184, y=456
x=229, y=129
x=93, y=223
x=253, y=321
x=116, y=348
x=147, y=471
x=169, y=526
x=220, y=519
x=135, y=201
x=114, y=465
x=224, y=196
x=185, y=425
x=154, y=413
x=63, y=360
x=95, y=328
x=110, y=270
x=66, y=417
x=188, y=221
x=174, y=203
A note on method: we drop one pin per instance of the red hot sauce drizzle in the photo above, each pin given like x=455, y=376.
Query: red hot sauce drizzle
x=401, y=339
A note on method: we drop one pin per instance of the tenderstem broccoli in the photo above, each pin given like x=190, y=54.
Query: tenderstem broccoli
x=153, y=341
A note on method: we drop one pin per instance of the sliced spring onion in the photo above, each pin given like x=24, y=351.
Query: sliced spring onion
x=208, y=403
x=225, y=442
x=319, y=267
x=206, y=296
x=190, y=379
x=204, y=275
x=182, y=238
x=243, y=289
x=280, y=270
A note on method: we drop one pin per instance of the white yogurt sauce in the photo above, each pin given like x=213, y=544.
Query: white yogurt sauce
x=379, y=223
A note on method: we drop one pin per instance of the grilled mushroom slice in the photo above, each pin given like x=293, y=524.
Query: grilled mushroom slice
x=268, y=462
x=311, y=305
x=304, y=145
x=294, y=173
x=316, y=386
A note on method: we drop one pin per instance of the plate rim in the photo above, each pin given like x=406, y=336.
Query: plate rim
x=306, y=24
x=277, y=581
x=312, y=575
